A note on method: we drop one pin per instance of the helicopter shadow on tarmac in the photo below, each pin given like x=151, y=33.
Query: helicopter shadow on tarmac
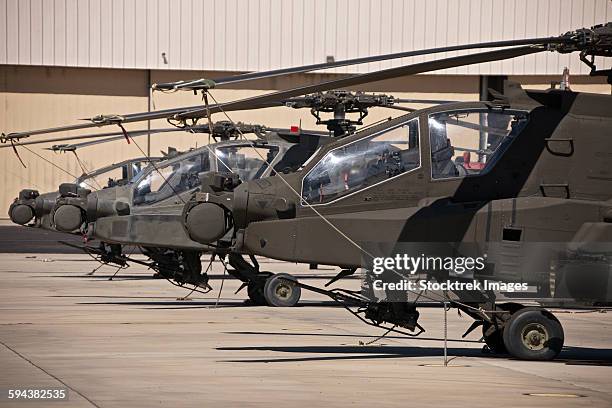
x=197, y=304
x=152, y=302
x=569, y=355
x=169, y=303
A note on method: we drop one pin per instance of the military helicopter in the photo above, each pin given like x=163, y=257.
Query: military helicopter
x=403, y=182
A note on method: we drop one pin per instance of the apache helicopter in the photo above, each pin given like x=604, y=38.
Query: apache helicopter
x=32, y=206
x=411, y=181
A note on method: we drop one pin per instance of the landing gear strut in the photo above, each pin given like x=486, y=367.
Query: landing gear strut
x=255, y=288
x=264, y=288
x=181, y=266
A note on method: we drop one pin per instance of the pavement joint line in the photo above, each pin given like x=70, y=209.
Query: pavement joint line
x=49, y=374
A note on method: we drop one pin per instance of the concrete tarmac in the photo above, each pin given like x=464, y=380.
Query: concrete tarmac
x=131, y=342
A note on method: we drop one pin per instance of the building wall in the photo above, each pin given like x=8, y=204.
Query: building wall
x=254, y=35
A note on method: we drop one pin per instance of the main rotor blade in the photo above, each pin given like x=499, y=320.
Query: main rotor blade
x=97, y=122
x=401, y=108
x=249, y=76
x=76, y=146
x=262, y=100
x=424, y=101
x=96, y=135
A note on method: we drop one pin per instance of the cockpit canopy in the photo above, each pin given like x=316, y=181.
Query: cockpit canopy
x=463, y=142
x=173, y=178
x=177, y=176
x=363, y=163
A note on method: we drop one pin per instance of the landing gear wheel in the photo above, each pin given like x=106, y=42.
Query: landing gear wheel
x=256, y=293
x=533, y=333
x=493, y=338
x=279, y=293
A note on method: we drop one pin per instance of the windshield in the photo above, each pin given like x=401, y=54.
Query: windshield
x=118, y=175
x=171, y=179
x=245, y=160
x=363, y=163
x=137, y=169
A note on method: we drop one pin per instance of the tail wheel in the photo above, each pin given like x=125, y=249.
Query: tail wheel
x=533, y=334
x=279, y=293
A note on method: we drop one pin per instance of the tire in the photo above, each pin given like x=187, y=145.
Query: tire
x=533, y=333
x=256, y=294
x=493, y=338
x=280, y=294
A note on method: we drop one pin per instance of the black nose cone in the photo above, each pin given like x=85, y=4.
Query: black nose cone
x=21, y=214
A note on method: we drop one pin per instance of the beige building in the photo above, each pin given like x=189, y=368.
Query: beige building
x=65, y=60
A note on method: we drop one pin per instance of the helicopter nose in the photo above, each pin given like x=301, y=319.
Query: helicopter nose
x=206, y=223
x=20, y=213
x=68, y=218
x=43, y=206
x=98, y=207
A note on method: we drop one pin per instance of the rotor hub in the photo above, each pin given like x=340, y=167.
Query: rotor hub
x=340, y=103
